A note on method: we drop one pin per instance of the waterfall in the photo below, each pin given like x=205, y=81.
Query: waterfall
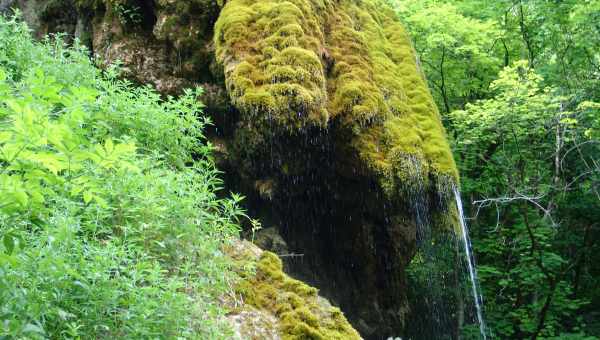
x=471, y=264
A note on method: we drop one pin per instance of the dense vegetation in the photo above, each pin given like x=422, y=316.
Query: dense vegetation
x=519, y=82
x=110, y=225
x=109, y=221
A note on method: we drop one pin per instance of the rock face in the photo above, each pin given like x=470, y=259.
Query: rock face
x=322, y=119
x=268, y=304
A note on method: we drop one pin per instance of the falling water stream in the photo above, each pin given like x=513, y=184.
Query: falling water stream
x=471, y=263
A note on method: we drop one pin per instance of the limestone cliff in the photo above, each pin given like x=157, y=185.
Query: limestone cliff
x=322, y=119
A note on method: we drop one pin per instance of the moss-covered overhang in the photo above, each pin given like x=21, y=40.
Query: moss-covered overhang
x=307, y=63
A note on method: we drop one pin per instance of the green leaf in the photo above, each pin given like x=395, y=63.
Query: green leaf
x=37, y=221
x=21, y=197
x=13, y=105
x=50, y=161
x=87, y=197
x=9, y=243
x=101, y=202
x=109, y=146
x=5, y=136
x=31, y=328
x=37, y=197
x=8, y=259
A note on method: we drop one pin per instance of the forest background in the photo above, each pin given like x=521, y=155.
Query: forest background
x=518, y=86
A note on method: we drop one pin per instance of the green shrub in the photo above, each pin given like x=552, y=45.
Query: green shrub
x=109, y=219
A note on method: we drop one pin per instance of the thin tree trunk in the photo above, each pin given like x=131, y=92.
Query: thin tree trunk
x=525, y=35
x=545, y=308
x=557, y=153
x=443, y=85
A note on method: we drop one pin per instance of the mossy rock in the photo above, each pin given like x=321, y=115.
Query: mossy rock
x=273, y=69
x=300, y=312
x=298, y=64
x=332, y=114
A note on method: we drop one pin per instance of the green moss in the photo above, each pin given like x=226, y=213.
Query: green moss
x=265, y=286
x=273, y=66
x=305, y=63
x=411, y=128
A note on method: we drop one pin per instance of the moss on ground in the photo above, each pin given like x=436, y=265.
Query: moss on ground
x=302, y=314
x=306, y=63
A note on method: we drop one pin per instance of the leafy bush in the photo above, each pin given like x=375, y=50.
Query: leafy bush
x=109, y=218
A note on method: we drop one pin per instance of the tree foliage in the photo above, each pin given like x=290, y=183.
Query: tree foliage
x=456, y=51
x=515, y=151
x=520, y=90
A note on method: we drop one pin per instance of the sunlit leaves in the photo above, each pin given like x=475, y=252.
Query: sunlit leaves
x=111, y=156
x=591, y=111
x=108, y=203
x=35, y=140
x=457, y=52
